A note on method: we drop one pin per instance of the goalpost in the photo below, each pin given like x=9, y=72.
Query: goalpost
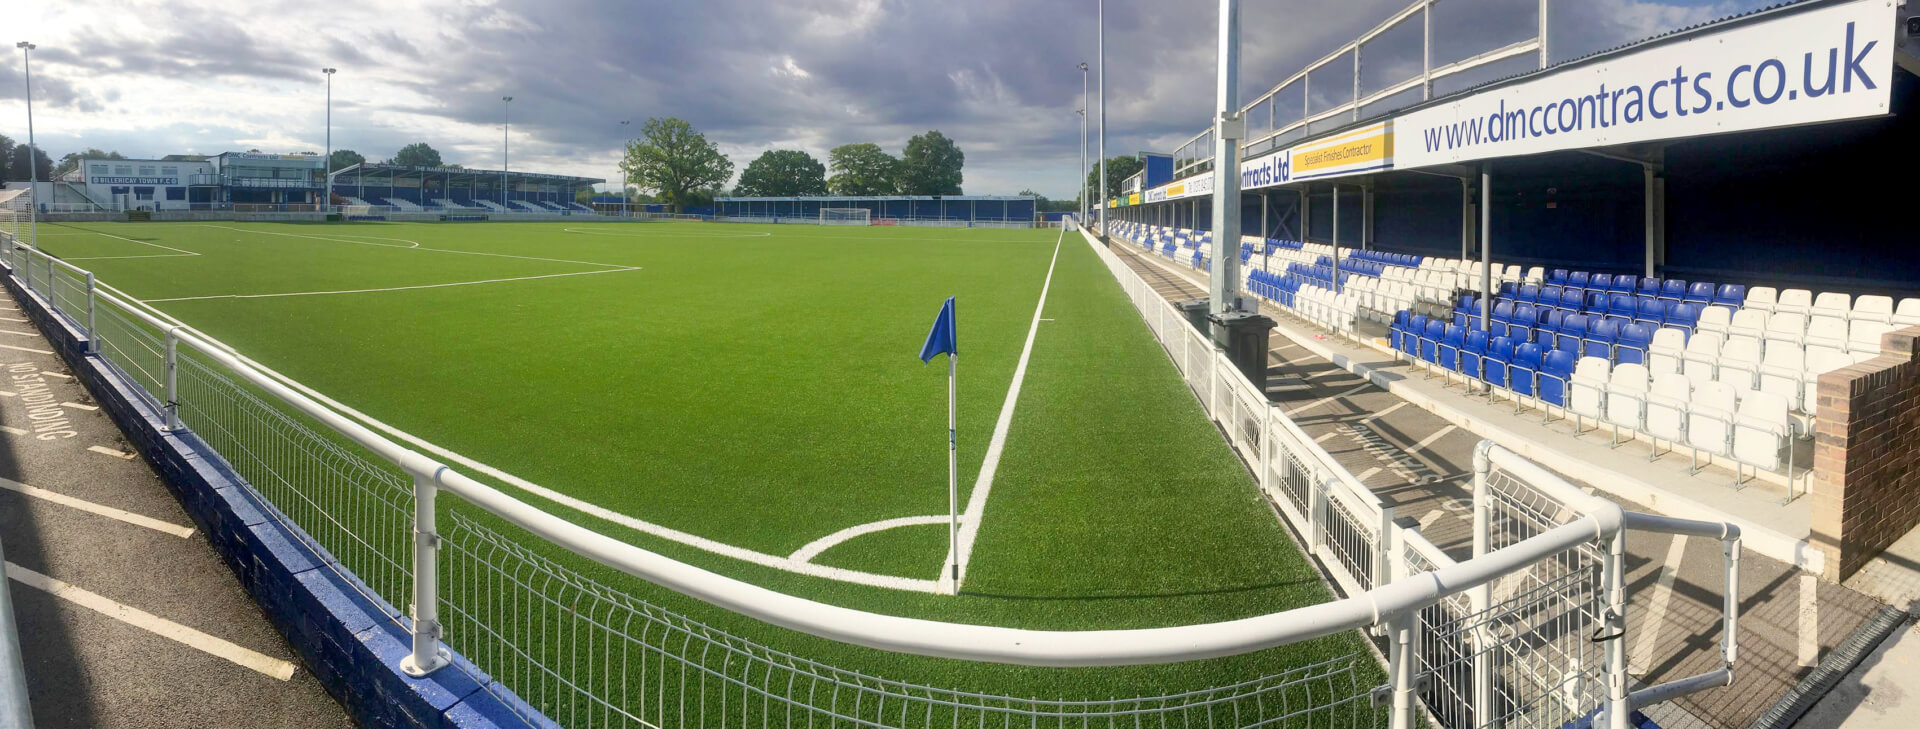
x=846, y=216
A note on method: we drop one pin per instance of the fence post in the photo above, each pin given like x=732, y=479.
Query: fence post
x=1388, y=552
x=173, y=378
x=1619, y=705
x=1316, y=510
x=1265, y=479
x=1480, y=599
x=93, y=335
x=428, y=654
x=1400, y=657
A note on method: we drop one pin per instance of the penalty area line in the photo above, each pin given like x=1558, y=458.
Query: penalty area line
x=391, y=288
x=990, y=465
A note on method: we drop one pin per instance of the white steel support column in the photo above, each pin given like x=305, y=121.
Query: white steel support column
x=1336, y=238
x=1466, y=217
x=1543, y=32
x=33, y=169
x=1486, y=244
x=1102, y=61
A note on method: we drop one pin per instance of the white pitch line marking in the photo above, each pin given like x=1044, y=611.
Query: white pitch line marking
x=78, y=406
x=1384, y=413
x=1431, y=439
x=252, y=660
x=176, y=251
x=815, y=547
x=100, y=509
x=24, y=349
x=1328, y=399
x=977, y=500
x=395, y=288
x=1657, y=608
x=105, y=451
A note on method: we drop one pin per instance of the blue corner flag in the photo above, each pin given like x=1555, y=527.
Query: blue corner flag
x=940, y=339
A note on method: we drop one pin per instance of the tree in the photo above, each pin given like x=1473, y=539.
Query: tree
x=783, y=173
x=1118, y=170
x=71, y=161
x=17, y=163
x=6, y=153
x=930, y=165
x=674, y=159
x=417, y=154
x=862, y=169
x=344, y=158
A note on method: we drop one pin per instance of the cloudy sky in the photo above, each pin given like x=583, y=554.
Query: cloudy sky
x=192, y=76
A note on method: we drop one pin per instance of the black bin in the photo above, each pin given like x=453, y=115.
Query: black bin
x=1246, y=343
x=1196, y=313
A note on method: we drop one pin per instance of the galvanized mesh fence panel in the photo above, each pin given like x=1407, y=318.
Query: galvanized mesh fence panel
x=588, y=655
x=1349, y=539
x=359, y=509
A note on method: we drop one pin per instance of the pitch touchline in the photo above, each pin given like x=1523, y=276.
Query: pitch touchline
x=395, y=288
x=977, y=500
x=415, y=246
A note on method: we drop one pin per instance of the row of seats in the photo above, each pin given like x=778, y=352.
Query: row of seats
x=1750, y=425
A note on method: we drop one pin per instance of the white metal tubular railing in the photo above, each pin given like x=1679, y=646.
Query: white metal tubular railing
x=586, y=654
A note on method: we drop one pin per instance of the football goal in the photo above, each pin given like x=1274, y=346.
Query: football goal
x=845, y=216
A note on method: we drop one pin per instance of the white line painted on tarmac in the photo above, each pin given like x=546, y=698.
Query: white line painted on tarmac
x=1328, y=399
x=1427, y=522
x=8, y=318
x=1657, y=608
x=8, y=393
x=56, y=374
x=105, y=451
x=977, y=500
x=18, y=334
x=1384, y=413
x=264, y=664
x=1431, y=439
x=78, y=406
x=1364, y=475
x=25, y=349
x=1324, y=436
x=1809, y=643
x=93, y=508
x=14, y=431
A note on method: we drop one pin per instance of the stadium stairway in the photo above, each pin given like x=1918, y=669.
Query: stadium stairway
x=1410, y=441
x=126, y=615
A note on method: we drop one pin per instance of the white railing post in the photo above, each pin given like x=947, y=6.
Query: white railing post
x=1480, y=599
x=1387, y=551
x=173, y=378
x=1614, y=622
x=1265, y=479
x=93, y=335
x=1316, y=521
x=1400, y=647
x=428, y=654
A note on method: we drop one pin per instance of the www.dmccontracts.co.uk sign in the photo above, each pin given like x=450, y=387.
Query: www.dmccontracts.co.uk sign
x=1818, y=65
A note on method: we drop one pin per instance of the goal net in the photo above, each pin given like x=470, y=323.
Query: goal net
x=16, y=215
x=845, y=216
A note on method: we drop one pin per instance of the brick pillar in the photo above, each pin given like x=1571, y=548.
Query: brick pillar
x=1866, y=455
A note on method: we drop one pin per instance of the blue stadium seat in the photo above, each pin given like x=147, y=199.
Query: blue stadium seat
x=1576, y=280
x=1683, y=316
x=1700, y=292
x=1573, y=329
x=1558, y=277
x=1555, y=370
x=1622, y=307
x=1498, y=358
x=1571, y=299
x=1430, y=340
x=1731, y=295
x=1549, y=296
x=1526, y=315
x=1502, y=317
x=1601, y=334
x=1551, y=322
x=1523, y=370
x=1597, y=303
x=1600, y=282
x=1635, y=339
x=1473, y=357
x=1649, y=287
x=1673, y=289
x=1529, y=294
x=1625, y=283
x=1448, y=354
x=1650, y=311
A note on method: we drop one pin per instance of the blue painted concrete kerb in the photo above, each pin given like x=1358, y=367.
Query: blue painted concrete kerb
x=347, y=637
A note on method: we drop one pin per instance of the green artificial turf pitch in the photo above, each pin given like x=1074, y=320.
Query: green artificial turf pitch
x=758, y=386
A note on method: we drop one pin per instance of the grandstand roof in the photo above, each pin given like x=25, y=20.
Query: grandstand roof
x=390, y=169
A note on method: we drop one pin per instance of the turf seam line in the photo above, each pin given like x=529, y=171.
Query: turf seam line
x=990, y=465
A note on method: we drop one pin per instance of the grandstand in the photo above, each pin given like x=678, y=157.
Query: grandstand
x=954, y=210
x=418, y=189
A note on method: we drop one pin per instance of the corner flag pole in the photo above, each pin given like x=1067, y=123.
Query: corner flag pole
x=953, y=471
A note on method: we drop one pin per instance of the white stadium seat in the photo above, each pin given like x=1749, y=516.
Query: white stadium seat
x=1703, y=352
x=1873, y=308
x=1626, y=397
x=1832, y=303
x=1908, y=314
x=1863, y=339
x=1668, y=350
x=1799, y=301
x=1782, y=372
x=1761, y=298
x=1666, y=408
x=1760, y=429
x=1715, y=320
x=1710, y=418
x=1739, y=364
x=1586, y=392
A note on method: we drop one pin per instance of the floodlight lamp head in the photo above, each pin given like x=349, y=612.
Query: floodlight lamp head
x=1083, y=66
x=328, y=71
x=506, y=98
x=26, y=45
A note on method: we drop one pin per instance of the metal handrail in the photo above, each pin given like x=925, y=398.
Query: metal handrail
x=15, y=711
